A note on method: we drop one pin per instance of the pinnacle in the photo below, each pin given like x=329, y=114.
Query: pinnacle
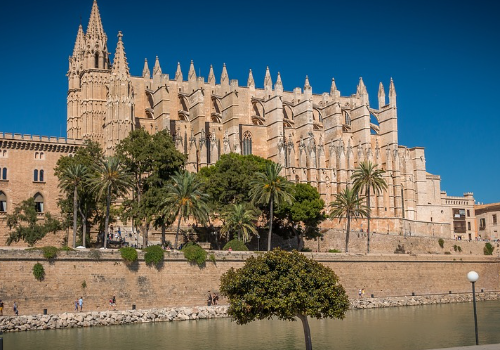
x=306, y=83
x=250, y=81
x=120, y=64
x=95, y=29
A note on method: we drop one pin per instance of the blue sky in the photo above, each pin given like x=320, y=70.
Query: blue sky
x=442, y=55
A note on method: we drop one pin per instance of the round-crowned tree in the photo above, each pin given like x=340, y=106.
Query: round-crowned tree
x=285, y=285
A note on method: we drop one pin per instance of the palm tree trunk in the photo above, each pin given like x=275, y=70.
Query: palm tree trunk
x=270, y=224
x=84, y=226
x=348, y=231
x=106, y=222
x=163, y=229
x=368, y=216
x=145, y=232
x=75, y=214
x=177, y=233
x=307, y=331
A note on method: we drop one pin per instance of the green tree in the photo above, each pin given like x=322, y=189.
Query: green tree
x=25, y=225
x=72, y=178
x=365, y=179
x=271, y=189
x=285, y=285
x=86, y=156
x=228, y=181
x=349, y=205
x=304, y=214
x=239, y=219
x=185, y=198
x=152, y=159
x=110, y=179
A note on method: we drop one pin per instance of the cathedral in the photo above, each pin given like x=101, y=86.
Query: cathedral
x=318, y=138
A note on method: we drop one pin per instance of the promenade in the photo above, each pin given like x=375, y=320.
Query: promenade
x=475, y=347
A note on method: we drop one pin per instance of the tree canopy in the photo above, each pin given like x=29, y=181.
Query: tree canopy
x=286, y=285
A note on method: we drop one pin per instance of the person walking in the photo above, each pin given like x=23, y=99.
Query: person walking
x=80, y=303
x=209, y=299
x=1, y=307
x=16, y=310
x=76, y=305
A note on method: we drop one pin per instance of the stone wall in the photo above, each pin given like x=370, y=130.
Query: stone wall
x=178, y=283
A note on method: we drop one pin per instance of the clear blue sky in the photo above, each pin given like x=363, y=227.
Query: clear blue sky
x=442, y=55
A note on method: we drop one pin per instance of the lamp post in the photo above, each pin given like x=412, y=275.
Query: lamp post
x=472, y=276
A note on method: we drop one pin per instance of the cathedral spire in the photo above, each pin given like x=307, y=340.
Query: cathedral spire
x=381, y=96
x=333, y=87
x=192, y=72
x=157, y=68
x=120, y=65
x=307, y=86
x=95, y=30
x=79, y=43
x=178, y=73
x=250, y=81
x=224, y=77
x=211, y=76
x=145, y=71
x=278, y=86
x=392, y=94
x=268, y=82
x=362, y=92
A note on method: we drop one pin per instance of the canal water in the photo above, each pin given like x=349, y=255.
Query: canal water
x=404, y=328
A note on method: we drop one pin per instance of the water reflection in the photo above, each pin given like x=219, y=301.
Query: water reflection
x=407, y=328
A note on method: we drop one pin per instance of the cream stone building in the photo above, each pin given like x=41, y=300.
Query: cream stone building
x=319, y=138
x=488, y=216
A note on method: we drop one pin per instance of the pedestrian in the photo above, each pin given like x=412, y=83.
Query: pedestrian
x=76, y=305
x=1, y=307
x=16, y=310
x=80, y=303
x=363, y=292
x=114, y=302
x=359, y=293
x=209, y=300
x=215, y=298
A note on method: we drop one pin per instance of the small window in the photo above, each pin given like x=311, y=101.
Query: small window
x=35, y=175
x=494, y=219
x=41, y=176
x=482, y=223
x=3, y=202
x=468, y=213
x=468, y=226
x=38, y=203
x=36, y=155
x=4, y=174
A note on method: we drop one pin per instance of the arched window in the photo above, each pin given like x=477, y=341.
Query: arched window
x=96, y=60
x=42, y=155
x=38, y=203
x=36, y=155
x=3, y=202
x=35, y=175
x=247, y=143
x=41, y=175
x=4, y=174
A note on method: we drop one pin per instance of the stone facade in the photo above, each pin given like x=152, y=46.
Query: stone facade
x=318, y=138
x=487, y=216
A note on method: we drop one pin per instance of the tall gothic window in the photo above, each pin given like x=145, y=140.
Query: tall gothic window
x=3, y=202
x=41, y=176
x=38, y=203
x=247, y=143
x=4, y=174
x=35, y=175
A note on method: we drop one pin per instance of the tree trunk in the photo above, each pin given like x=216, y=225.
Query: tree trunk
x=145, y=232
x=177, y=233
x=307, y=331
x=84, y=227
x=163, y=229
x=75, y=214
x=270, y=224
x=106, y=221
x=368, y=230
x=347, y=232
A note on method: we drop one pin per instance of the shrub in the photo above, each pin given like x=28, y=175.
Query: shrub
x=49, y=252
x=236, y=245
x=441, y=242
x=457, y=248
x=95, y=254
x=84, y=284
x=128, y=254
x=39, y=271
x=488, y=249
x=447, y=253
x=306, y=249
x=211, y=257
x=195, y=254
x=65, y=248
x=334, y=251
x=400, y=249
x=154, y=255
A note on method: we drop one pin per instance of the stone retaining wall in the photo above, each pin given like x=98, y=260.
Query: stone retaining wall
x=107, y=318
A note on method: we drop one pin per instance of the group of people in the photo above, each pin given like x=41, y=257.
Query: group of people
x=79, y=304
x=112, y=302
x=213, y=299
x=14, y=308
x=361, y=293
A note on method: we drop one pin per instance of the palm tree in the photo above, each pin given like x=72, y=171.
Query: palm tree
x=240, y=219
x=72, y=178
x=269, y=188
x=111, y=178
x=348, y=204
x=365, y=178
x=184, y=198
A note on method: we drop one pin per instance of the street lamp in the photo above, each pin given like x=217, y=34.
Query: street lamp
x=472, y=276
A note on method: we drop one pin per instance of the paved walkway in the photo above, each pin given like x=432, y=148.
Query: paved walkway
x=475, y=347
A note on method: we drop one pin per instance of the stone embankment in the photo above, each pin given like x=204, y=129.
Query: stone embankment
x=107, y=318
